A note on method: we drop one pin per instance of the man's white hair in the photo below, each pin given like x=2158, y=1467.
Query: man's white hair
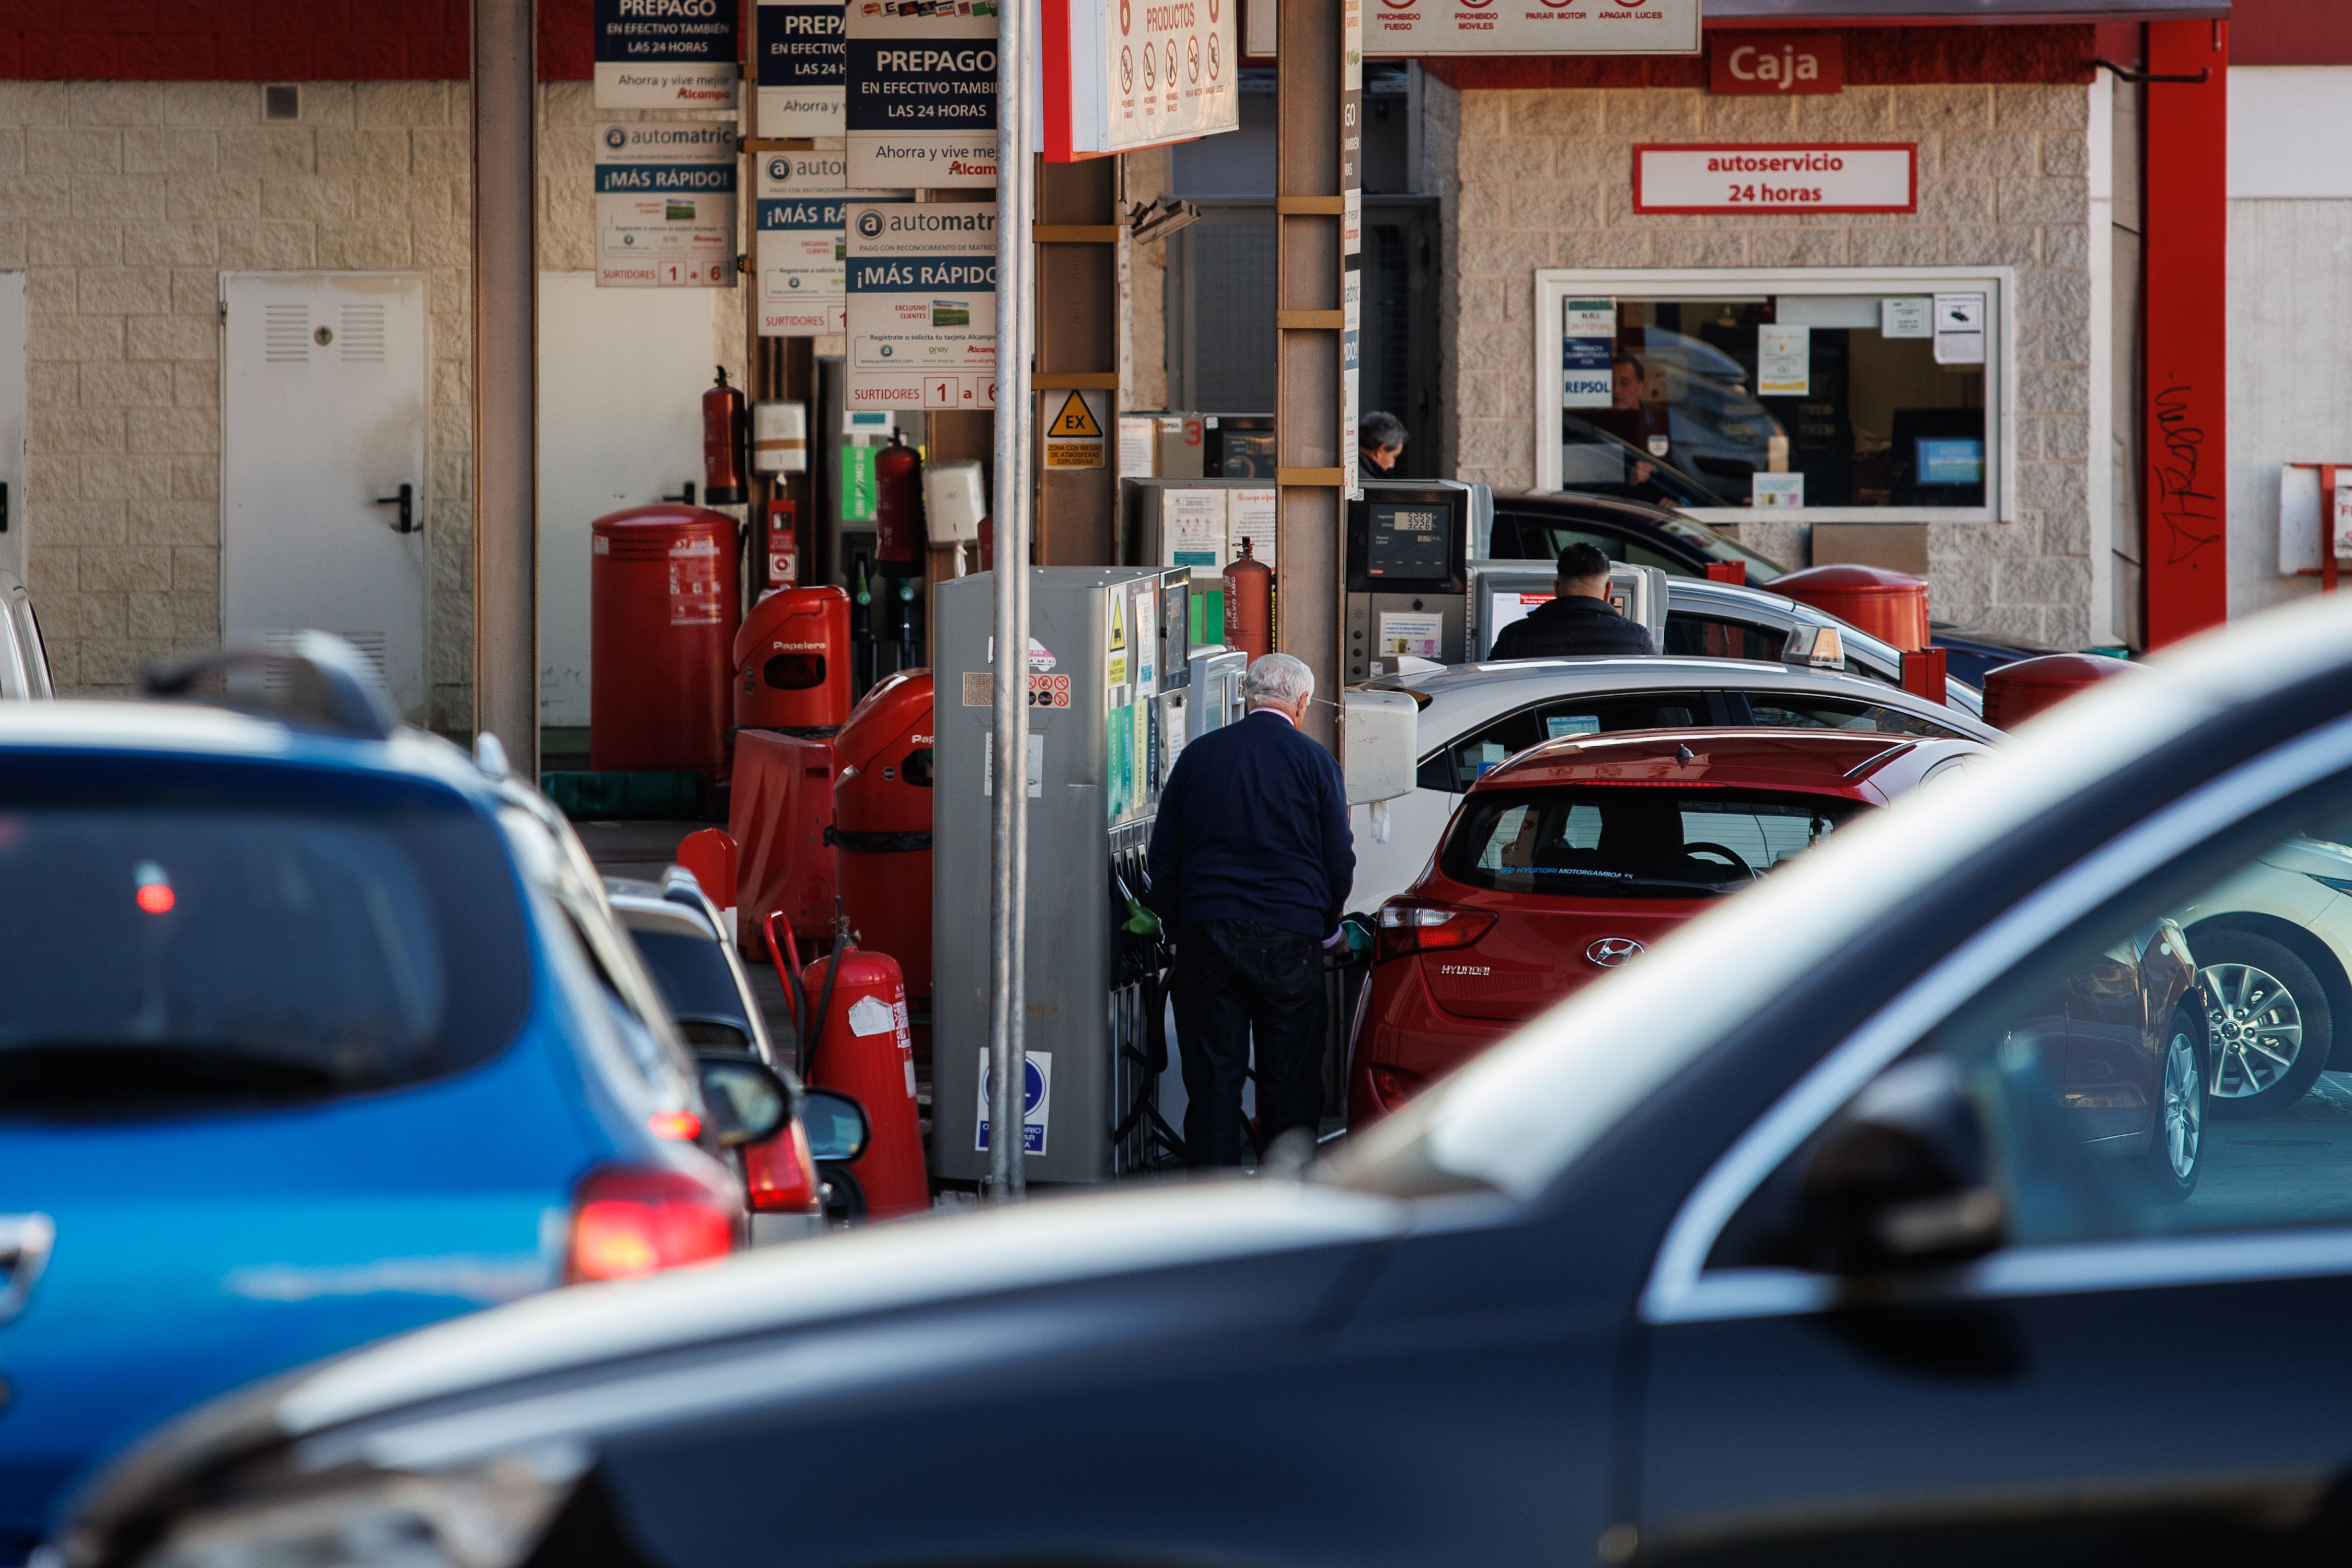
x=1277, y=679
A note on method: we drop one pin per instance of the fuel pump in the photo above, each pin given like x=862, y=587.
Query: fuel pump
x=723, y=445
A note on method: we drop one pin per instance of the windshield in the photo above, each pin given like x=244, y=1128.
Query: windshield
x=1760, y=568
x=171, y=957
x=700, y=989
x=1621, y=843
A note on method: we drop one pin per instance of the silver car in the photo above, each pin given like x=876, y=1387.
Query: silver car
x=1475, y=715
x=1707, y=618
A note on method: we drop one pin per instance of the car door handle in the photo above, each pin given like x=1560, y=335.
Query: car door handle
x=407, y=501
x=24, y=1243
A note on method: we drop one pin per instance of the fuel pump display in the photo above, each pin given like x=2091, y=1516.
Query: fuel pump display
x=1408, y=558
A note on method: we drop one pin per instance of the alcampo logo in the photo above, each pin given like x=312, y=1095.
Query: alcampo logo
x=869, y=224
x=615, y=138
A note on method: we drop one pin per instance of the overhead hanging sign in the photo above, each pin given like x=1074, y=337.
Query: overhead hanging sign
x=922, y=305
x=1777, y=176
x=802, y=69
x=666, y=204
x=1532, y=28
x=921, y=82
x=1124, y=74
x=665, y=54
x=801, y=213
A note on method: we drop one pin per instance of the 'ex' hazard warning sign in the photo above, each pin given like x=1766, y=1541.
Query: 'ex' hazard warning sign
x=1075, y=438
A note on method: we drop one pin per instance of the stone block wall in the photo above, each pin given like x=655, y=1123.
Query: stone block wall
x=1542, y=178
x=123, y=202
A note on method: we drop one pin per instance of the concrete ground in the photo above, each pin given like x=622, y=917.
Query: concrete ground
x=2292, y=1167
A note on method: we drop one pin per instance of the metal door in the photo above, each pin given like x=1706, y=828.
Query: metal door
x=322, y=465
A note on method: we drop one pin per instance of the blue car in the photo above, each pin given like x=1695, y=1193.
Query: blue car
x=312, y=1030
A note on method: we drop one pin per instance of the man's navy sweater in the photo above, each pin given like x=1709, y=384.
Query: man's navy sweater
x=1254, y=827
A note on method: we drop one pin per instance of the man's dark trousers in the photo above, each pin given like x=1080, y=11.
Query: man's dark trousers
x=1234, y=978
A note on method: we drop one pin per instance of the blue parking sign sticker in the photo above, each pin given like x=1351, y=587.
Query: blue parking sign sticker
x=1036, y=1100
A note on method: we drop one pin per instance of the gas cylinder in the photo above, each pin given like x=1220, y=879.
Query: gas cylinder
x=722, y=444
x=791, y=662
x=662, y=613
x=898, y=503
x=862, y=1047
x=882, y=825
x=1249, y=605
x=2016, y=692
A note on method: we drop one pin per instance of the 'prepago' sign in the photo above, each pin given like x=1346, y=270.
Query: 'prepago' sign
x=1532, y=28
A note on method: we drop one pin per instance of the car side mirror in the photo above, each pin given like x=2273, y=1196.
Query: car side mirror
x=836, y=1126
x=1903, y=1178
x=746, y=1101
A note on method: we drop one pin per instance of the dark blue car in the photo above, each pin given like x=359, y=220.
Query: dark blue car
x=311, y=1031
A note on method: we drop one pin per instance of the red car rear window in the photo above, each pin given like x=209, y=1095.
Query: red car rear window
x=1599, y=841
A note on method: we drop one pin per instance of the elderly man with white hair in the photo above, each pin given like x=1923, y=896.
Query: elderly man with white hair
x=1251, y=862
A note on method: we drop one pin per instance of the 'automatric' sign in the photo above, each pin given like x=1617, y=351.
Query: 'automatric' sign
x=666, y=204
x=801, y=214
x=922, y=305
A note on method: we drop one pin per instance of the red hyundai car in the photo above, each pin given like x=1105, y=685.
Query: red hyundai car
x=1573, y=855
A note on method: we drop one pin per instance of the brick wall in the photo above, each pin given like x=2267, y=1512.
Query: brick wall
x=1542, y=178
x=124, y=202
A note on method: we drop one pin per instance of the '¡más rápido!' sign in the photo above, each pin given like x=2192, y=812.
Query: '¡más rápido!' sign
x=922, y=305
x=801, y=216
x=1532, y=28
x=1852, y=177
x=666, y=204
x=922, y=107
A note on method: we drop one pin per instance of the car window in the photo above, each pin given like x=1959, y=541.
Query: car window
x=695, y=980
x=2165, y=1068
x=1792, y=710
x=1457, y=767
x=171, y=948
x=1597, y=841
x=1709, y=637
x=1541, y=541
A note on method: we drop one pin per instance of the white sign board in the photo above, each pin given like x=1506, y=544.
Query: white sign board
x=665, y=54
x=921, y=106
x=922, y=305
x=1532, y=28
x=666, y=204
x=1587, y=350
x=1142, y=73
x=1192, y=532
x=1784, y=361
x=801, y=70
x=801, y=216
x=1907, y=318
x=1726, y=177
x=1959, y=328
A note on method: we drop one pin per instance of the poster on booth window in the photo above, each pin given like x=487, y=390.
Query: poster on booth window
x=666, y=204
x=802, y=69
x=922, y=315
x=1784, y=361
x=1588, y=344
x=801, y=217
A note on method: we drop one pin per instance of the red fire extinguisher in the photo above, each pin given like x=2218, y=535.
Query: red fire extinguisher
x=898, y=503
x=723, y=445
x=1249, y=605
x=850, y=1007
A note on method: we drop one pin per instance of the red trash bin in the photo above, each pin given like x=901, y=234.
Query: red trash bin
x=662, y=611
x=791, y=662
x=882, y=825
x=2016, y=692
x=1889, y=605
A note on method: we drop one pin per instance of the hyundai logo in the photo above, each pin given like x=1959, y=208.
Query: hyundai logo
x=1612, y=951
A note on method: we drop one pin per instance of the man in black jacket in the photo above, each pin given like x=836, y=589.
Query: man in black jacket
x=1251, y=862
x=1580, y=620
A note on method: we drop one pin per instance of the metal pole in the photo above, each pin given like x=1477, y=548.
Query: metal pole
x=505, y=378
x=1009, y=861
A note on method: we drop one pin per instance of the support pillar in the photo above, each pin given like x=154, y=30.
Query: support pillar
x=1078, y=233
x=2183, y=411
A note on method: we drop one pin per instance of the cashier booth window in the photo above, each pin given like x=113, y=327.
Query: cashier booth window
x=1837, y=397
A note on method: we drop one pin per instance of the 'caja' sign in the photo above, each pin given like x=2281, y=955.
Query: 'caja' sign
x=1748, y=63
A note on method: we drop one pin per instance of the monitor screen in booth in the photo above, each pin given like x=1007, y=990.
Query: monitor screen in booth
x=1410, y=539
x=1943, y=461
x=1507, y=604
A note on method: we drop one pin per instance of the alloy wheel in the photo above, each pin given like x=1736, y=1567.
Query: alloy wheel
x=2184, y=1109
x=2256, y=1028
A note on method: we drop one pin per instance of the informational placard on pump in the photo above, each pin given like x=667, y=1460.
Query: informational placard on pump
x=665, y=54
x=1124, y=74
x=921, y=80
x=1415, y=28
x=803, y=69
x=922, y=305
x=801, y=215
x=666, y=204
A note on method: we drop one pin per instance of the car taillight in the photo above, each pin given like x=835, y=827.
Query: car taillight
x=780, y=1176
x=627, y=1222
x=1393, y=1086
x=1408, y=926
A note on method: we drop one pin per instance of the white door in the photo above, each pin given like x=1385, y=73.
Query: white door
x=323, y=424
x=621, y=377
x=11, y=423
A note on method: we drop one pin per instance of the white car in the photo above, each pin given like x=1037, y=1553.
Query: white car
x=1475, y=715
x=2273, y=949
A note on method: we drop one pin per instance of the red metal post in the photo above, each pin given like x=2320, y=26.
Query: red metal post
x=2186, y=489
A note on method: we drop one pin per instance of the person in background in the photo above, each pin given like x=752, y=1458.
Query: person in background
x=1579, y=620
x=1380, y=442
x=1251, y=863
